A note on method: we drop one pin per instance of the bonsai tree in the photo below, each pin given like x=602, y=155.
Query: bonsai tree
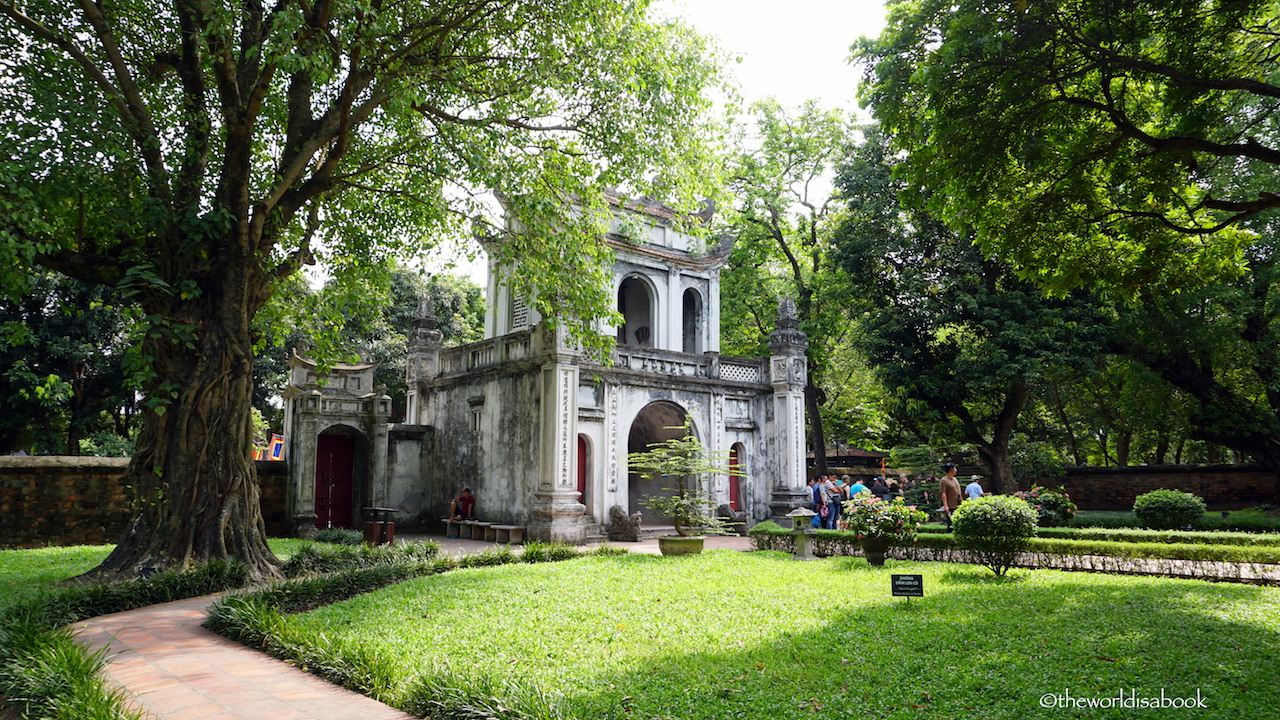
x=682, y=461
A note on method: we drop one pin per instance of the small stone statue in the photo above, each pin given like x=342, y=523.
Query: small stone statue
x=736, y=520
x=623, y=528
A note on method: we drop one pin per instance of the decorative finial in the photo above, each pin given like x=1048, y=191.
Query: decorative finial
x=426, y=329
x=788, y=338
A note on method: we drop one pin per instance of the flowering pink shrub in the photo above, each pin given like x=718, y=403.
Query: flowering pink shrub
x=869, y=516
x=1054, y=507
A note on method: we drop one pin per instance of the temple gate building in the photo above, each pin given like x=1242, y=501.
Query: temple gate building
x=541, y=431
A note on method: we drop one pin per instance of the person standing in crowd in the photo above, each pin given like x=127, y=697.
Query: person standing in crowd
x=856, y=488
x=879, y=489
x=835, y=496
x=949, y=488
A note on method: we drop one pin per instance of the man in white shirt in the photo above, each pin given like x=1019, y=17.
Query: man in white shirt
x=973, y=489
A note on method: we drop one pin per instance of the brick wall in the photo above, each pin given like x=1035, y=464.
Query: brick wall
x=1223, y=487
x=80, y=500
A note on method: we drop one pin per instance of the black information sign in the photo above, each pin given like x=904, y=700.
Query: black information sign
x=908, y=585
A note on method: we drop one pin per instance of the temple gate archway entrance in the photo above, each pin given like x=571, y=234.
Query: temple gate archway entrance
x=657, y=422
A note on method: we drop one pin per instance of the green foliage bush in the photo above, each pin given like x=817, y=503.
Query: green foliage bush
x=607, y=550
x=323, y=558
x=339, y=536
x=535, y=552
x=500, y=555
x=1168, y=509
x=1054, y=507
x=995, y=528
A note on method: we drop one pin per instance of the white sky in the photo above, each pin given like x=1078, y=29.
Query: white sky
x=794, y=50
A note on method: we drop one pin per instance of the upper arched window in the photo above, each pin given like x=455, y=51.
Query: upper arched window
x=635, y=304
x=692, y=321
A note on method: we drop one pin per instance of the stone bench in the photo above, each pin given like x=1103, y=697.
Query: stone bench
x=510, y=534
x=487, y=531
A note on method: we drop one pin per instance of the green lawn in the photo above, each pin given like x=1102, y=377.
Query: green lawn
x=26, y=571
x=731, y=635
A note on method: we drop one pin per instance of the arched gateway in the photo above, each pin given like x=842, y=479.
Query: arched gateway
x=656, y=423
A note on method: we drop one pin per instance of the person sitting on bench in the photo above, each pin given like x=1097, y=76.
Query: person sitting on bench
x=463, y=507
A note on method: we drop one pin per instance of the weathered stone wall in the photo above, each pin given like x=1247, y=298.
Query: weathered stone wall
x=410, y=449
x=1223, y=487
x=58, y=500
x=486, y=435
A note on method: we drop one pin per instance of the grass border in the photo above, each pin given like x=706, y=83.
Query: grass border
x=256, y=619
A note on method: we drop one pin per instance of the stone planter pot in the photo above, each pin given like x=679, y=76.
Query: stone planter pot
x=679, y=545
x=874, y=548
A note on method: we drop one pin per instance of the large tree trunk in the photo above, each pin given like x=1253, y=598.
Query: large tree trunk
x=1000, y=466
x=195, y=485
x=995, y=452
x=817, y=435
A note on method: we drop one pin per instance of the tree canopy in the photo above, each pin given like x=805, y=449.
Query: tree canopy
x=959, y=340
x=1129, y=148
x=782, y=219
x=195, y=155
x=1089, y=142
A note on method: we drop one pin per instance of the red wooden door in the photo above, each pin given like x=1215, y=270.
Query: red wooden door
x=735, y=479
x=335, y=465
x=582, y=471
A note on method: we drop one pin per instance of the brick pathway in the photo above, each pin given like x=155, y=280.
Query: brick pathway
x=176, y=670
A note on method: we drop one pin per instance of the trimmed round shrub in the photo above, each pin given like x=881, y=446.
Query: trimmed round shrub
x=1168, y=509
x=995, y=528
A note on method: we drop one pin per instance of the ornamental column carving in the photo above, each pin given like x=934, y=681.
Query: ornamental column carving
x=788, y=370
x=555, y=512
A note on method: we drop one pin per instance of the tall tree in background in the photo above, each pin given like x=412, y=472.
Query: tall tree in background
x=195, y=155
x=958, y=339
x=64, y=346
x=372, y=325
x=1086, y=140
x=781, y=182
x=1126, y=147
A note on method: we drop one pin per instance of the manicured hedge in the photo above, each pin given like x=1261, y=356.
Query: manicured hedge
x=828, y=543
x=1234, y=522
x=1160, y=536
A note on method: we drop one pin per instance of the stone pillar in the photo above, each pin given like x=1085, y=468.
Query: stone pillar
x=712, y=313
x=422, y=362
x=555, y=513
x=788, y=370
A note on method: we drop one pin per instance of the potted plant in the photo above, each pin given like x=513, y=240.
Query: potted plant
x=682, y=461
x=880, y=523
